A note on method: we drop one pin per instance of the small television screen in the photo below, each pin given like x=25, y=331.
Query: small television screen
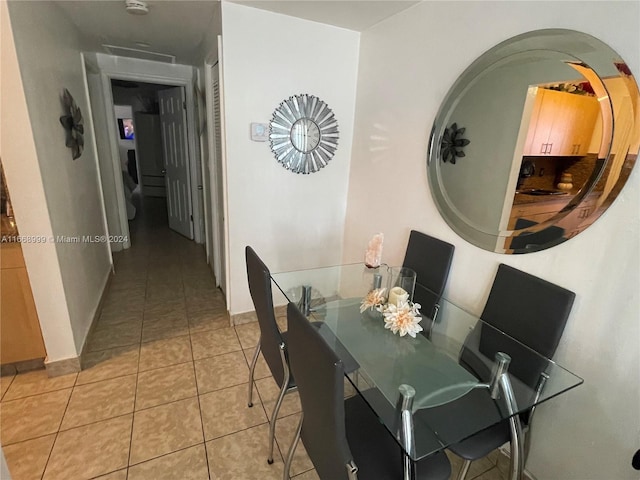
x=125, y=126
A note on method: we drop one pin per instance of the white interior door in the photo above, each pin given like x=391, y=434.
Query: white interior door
x=173, y=121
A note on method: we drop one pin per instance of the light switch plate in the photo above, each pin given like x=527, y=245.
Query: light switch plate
x=259, y=132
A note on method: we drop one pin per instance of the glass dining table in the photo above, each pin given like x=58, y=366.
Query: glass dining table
x=458, y=377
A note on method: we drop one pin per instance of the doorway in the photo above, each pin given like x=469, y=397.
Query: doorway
x=153, y=149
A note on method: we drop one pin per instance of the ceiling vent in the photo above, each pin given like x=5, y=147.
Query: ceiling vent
x=136, y=7
x=141, y=54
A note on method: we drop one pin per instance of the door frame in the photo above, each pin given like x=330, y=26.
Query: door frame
x=217, y=183
x=215, y=250
x=107, y=75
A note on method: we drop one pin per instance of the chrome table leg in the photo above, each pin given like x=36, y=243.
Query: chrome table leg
x=305, y=300
x=404, y=409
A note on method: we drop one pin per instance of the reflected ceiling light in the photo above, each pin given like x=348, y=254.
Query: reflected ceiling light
x=136, y=7
x=143, y=44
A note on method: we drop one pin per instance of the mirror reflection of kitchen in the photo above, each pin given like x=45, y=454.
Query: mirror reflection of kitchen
x=564, y=143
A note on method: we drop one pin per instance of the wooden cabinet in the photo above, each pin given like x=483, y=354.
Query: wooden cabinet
x=537, y=211
x=561, y=124
x=20, y=334
x=542, y=210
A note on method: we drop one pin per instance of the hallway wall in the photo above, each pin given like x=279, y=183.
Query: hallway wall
x=48, y=51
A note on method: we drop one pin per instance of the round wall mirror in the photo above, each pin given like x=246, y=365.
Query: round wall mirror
x=534, y=141
x=303, y=134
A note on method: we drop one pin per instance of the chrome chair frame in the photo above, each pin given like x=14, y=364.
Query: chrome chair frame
x=283, y=391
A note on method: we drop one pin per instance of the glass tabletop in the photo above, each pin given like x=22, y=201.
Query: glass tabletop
x=449, y=367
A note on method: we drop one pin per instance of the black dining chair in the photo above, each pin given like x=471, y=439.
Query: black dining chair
x=530, y=310
x=272, y=342
x=343, y=438
x=431, y=259
x=526, y=242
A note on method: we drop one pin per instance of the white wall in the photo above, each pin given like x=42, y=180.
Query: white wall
x=52, y=194
x=291, y=220
x=407, y=64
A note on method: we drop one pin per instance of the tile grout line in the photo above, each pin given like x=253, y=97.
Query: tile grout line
x=38, y=394
x=181, y=449
x=53, y=445
x=135, y=391
x=8, y=387
x=195, y=377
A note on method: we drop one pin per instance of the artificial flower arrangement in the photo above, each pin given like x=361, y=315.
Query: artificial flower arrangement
x=401, y=317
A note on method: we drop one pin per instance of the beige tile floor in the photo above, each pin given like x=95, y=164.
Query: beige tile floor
x=163, y=394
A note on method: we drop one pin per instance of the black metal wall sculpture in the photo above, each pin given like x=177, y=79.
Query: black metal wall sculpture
x=452, y=143
x=72, y=123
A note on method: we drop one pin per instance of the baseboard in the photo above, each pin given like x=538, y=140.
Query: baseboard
x=242, y=318
x=22, y=366
x=62, y=367
x=505, y=453
x=96, y=315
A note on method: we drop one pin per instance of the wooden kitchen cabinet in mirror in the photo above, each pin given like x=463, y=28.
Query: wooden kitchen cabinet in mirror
x=552, y=121
x=562, y=123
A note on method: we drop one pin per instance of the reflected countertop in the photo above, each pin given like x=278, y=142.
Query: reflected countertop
x=523, y=198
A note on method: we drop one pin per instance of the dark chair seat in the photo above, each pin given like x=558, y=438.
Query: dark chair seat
x=530, y=310
x=376, y=453
x=342, y=436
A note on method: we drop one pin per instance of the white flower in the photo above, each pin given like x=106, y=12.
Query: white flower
x=374, y=300
x=403, y=318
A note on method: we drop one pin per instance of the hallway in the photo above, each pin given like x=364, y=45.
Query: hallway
x=163, y=391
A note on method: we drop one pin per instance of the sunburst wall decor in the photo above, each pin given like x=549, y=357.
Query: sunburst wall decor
x=303, y=134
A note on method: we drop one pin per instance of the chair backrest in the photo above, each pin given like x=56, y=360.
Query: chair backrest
x=259, y=279
x=431, y=259
x=529, y=309
x=532, y=242
x=319, y=375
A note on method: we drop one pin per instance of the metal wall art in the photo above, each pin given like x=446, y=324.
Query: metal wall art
x=303, y=134
x=452, y=143
x=72, y=123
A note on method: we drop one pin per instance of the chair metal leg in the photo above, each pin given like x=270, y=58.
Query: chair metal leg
x=404, y=408
x=276, y=408
x=464, y=470
x=500, y=383
x=292, y=450
x=251, y=372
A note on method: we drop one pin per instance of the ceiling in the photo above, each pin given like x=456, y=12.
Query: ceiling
x=164, y=28
x=178, y=27
x=356, y=15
